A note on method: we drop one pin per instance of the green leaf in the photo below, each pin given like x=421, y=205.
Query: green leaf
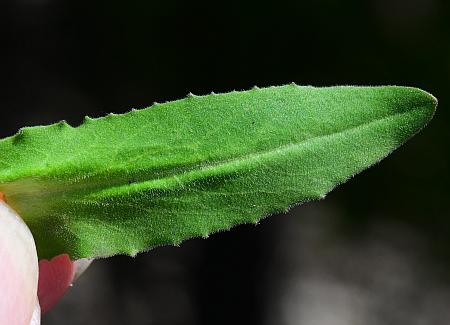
x=127, y=183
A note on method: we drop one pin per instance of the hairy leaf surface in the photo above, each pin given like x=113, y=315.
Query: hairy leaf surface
x=127, y=183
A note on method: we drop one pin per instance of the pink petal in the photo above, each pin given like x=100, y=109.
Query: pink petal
x=55, y=277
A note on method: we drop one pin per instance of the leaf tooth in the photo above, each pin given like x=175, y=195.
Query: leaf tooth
x=87, y=119
x=213, y=93
x=20, y=135
x=255, y=87
x=62, y=124
x=24, y=130
x=227, y=227
x=293, y=84
x=190, y=95
x=133, y=252
x=286, y=210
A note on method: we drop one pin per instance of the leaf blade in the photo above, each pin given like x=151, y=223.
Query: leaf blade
x=198, y=165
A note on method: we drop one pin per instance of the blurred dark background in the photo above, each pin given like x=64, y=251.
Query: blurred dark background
x=375, y=251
